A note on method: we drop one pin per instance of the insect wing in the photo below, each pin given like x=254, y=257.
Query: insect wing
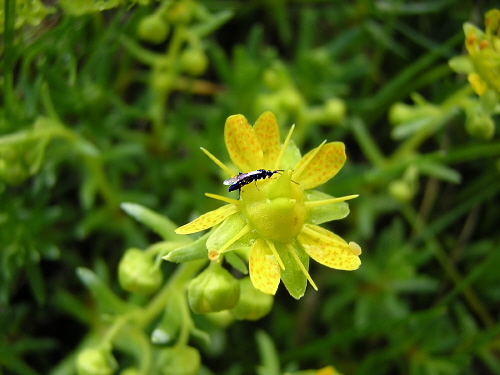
x=239, y=177
x=234, y=179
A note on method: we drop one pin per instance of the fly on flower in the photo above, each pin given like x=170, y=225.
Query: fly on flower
x=242, y=179
x=275, y=228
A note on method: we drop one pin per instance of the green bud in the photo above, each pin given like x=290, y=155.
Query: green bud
x=162, y=79
x=179, y=13
x=272, y=79
x=253, y=304
x=130, y=371
x=213, y=290
x=291, y=100
x=399, y=113
x=268, y=102
x=480, y=126
x=334, y=110
x=401, y=190
x=137, y=272
x=221, y=319
x=489, y=101
x=194, y=61
x=13, y=172
x=183, y=360
x=92, y=361
x=153, y=29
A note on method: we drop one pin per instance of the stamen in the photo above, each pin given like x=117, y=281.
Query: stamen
x=275, y=253
x=213, y=255
x=324, y=202
x=301, y=266
x=283, y=148
x=218, y=162
x=313, y=234
x=302, y=168
x=222, y=198
x=235, y=238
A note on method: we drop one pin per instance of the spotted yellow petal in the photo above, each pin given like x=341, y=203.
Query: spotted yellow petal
x=267, y=131
x=242, y=144
x=318, y=166
x=478, y=85
x=329, y=249
x=208, y=220
x=264, y=268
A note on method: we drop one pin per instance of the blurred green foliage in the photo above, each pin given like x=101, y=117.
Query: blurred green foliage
x=106, y=102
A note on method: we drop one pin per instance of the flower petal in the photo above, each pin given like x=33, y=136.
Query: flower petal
x=328, y=249
x=317, y=167
x=264, y=268
x=267, y=132
x=208, y=220
x=242, y=144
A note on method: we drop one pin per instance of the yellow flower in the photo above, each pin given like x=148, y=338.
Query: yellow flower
x=484, y=53
x=274, y=224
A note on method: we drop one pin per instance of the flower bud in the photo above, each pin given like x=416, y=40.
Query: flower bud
x=13, y=172
x=180, y=12
x=213, y=290
x=291, y=99
x=194, y=61
x=334, y=111
x=137, y=272
x=182, y=360
x=401, y=190
x=153, y=29
x=399, y=113
x=489, y=101
x=92, y=361
x=480, y=126
x=130, y=371
x=253, y=304
x=272, y=79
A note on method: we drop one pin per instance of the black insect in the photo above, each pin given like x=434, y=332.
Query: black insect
x=242, y=179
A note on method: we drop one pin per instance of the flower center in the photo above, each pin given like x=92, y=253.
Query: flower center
x=275, y=207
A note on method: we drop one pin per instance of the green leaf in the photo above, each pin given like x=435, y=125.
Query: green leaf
x=158, y=223
x=214, y=22
x=328, y=212
x=35, y=277
x=269, y=357
x=294, y=279
x=193, y=251
x=461, y=64
x=107, y=301
x=226, y=231
x=235, y=261
x=440, y=171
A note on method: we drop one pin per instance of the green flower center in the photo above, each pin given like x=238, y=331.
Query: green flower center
x=275, y=207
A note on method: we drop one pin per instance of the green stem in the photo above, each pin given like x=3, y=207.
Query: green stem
x=94, y=164
x=366, y=142
x=432, y=243
x=183, y=273
x=158, y=106
x=187, y=322
x=448, y=109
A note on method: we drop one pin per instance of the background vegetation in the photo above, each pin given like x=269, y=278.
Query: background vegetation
x=107, y=102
